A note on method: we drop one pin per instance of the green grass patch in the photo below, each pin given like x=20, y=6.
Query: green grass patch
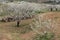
x=46, y=36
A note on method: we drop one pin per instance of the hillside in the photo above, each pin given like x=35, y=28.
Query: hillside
x=9, y=32
x=29, y=20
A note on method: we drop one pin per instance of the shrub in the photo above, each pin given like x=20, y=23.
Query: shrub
x=46, y=36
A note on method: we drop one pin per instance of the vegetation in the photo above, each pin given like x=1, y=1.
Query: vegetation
x=26, y=29
x=46, y=36
x=21, y=10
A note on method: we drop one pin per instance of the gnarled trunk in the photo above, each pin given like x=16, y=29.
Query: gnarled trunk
x=18, y=22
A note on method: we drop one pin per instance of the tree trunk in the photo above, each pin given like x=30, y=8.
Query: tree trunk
x=51, y=9
x=56, y=9
x=18, y=22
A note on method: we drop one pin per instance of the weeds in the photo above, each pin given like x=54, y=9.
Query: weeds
x=46, y=36
x=26, y=29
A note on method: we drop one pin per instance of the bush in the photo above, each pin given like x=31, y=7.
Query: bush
x=46, y=36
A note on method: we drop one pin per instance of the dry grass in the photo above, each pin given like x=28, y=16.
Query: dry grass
x=8, y=30
x=54, y=16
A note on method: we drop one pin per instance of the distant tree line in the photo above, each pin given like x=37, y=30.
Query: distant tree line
x=37, y=1
x=24, y=0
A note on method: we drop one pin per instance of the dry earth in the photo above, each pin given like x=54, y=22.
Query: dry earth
x=54, y=18
x=10, y=33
